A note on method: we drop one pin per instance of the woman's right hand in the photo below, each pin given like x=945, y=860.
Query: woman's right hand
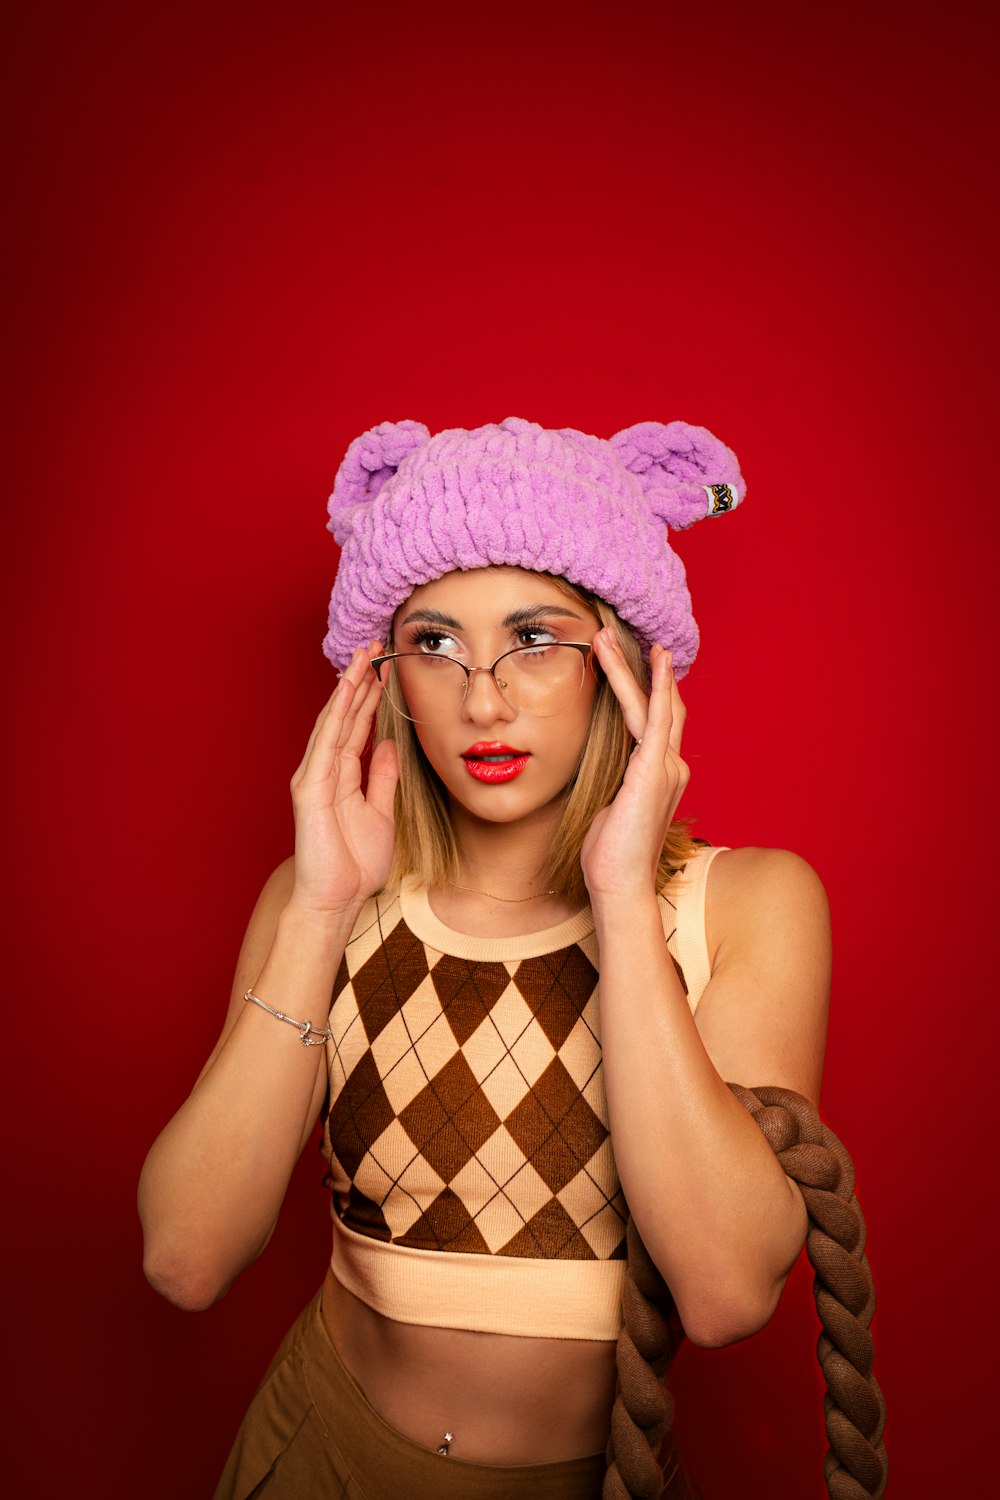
x=343, y=838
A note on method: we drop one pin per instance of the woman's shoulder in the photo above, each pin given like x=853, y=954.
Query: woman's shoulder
x=763, y=1015
x=746, y=870
x=743, y=873
x=754, y=891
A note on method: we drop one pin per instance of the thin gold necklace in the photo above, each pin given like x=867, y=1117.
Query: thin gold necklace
x=508, y=900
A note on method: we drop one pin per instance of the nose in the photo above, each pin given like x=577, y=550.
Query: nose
x=484, y=703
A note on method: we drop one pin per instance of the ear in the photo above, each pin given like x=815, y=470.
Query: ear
x=685, y=472
x=371, y=459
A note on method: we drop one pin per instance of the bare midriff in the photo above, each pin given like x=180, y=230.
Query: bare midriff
x=505, y=1400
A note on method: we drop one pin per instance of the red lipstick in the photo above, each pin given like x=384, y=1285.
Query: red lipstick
x=491, y=761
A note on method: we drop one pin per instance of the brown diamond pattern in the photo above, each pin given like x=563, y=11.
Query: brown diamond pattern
x=449, y=1119
x=559, y=984
x=389, y=978
x=497, y=1152
x=468, y=992
x=550, y=1234
x=556, y=1128
x=447, y=1225
x=368, y=1217
x=359, y=1114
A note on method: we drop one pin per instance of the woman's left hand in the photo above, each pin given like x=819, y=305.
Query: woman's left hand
x=622, y=849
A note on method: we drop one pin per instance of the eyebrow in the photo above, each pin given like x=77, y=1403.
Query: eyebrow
x=431, y=617
x=531, y=612
x=526, y=615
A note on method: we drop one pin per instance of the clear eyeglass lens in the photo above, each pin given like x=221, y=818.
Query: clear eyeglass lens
x=540, y=681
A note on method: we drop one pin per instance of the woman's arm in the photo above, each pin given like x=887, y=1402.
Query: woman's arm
x=214, y=1181
x=215, y=1178
x=708, y=1196
x=712, y=1204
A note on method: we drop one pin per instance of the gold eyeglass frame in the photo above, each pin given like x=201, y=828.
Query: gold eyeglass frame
x=585, y=649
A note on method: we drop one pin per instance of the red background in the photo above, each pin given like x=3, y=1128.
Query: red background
x=239, y=236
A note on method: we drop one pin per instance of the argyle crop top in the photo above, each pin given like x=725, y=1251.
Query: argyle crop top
x=473, y=1180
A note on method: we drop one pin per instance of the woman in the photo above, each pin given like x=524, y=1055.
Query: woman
x=509, y=614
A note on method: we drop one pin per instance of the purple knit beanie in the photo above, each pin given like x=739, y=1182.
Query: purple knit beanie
x=407, y=508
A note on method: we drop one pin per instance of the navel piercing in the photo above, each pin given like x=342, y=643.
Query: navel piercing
x=449, y=1437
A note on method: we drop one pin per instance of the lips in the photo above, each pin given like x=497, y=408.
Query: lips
x=494, y=762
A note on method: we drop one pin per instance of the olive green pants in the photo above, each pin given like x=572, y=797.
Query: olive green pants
x=310, y=1433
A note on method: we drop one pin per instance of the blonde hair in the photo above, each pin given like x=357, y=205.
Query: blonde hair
x=425, y=841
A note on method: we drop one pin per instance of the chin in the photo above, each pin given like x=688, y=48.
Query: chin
x=503, y=805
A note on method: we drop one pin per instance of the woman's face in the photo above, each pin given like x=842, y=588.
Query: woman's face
x=499, y=760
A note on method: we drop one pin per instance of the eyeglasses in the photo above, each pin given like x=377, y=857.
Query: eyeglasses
x=538, y=680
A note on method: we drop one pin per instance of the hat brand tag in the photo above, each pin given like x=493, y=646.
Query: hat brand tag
x=721, y=497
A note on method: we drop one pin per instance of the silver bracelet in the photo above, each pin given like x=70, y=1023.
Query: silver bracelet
x=309, y=1035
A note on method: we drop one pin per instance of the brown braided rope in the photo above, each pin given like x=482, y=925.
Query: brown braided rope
x=855, y=1466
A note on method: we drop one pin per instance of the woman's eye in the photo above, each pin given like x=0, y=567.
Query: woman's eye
x=534, y=635
x=435, y=643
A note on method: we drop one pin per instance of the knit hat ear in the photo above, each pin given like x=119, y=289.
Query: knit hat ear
x=371, y=459
x=685, y=472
